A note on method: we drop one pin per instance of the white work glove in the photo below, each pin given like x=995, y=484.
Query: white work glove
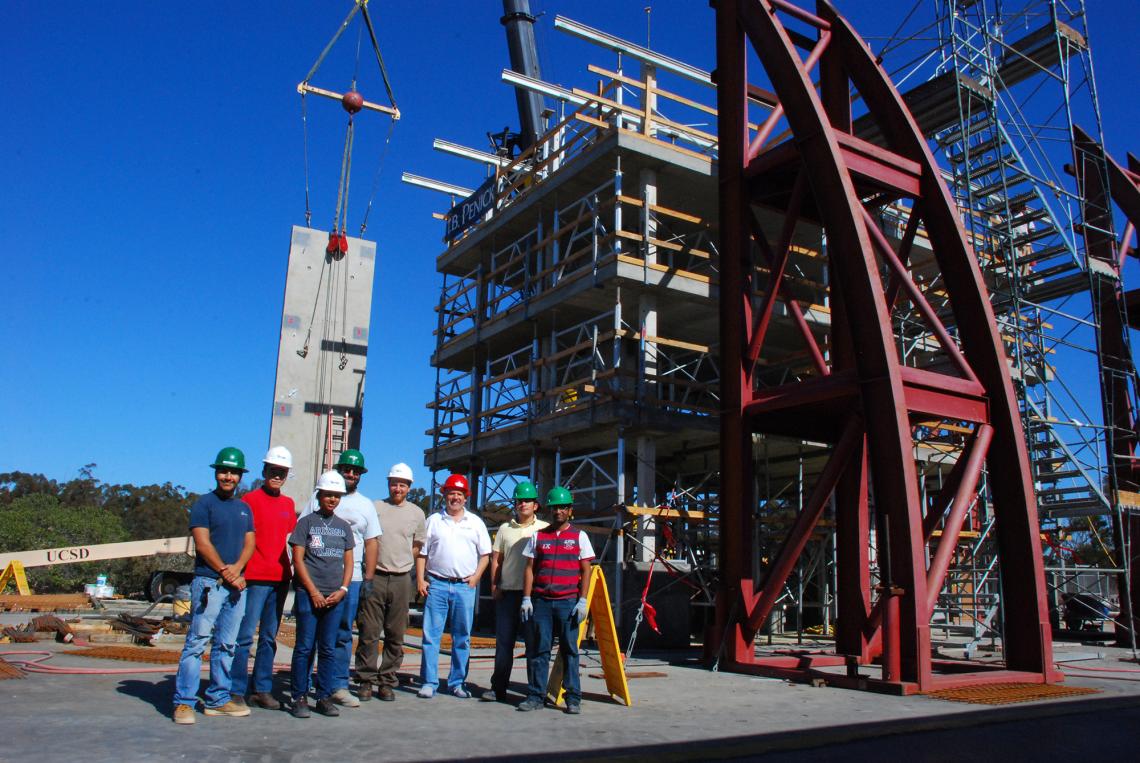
x=526, y=611
x=580, y=610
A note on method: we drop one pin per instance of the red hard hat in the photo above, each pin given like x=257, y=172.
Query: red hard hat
x=456, y=482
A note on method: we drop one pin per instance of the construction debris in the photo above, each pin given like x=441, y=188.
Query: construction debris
x=43, y=624
x=1009, y=693
x=145, y=630
x=132, y=654
x=8, y=670
x=50, y=602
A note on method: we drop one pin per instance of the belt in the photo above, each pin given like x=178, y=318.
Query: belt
x=393, y=574
x=447, y=580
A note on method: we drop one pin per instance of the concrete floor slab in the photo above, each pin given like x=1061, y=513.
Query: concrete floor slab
x=691, y=713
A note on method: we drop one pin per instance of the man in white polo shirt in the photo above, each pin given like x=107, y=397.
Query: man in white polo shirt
x=453, y=558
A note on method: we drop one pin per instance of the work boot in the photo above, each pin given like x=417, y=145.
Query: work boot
x=326, y=706
x=184, y=715
x=230, y=709
x=264, y=699
x=530, y=703
x=343, y=697
x=386, y=694
x=300, y=708
x=364, y=692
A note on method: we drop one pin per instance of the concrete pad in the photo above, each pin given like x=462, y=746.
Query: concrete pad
x=691, y=713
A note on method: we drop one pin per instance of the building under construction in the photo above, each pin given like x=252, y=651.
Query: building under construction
x=829, y=368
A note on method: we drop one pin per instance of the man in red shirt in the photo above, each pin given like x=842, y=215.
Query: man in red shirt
x=267, y=575
x=555, y=584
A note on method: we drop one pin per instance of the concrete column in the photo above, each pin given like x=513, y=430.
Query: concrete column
x=647, y=190
x=646, y=495
x=646, y=444
x=544, y=472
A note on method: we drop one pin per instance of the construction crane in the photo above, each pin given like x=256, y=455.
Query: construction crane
x=162, y=582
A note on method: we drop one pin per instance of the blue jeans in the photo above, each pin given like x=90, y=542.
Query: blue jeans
x=554, y=616
x=351, y=602
x=215, y=619
x=264, y=603
x=458, y=601
x=316, y=633
x=508, y=628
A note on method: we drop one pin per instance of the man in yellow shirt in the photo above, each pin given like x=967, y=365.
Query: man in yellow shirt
x=507, y=567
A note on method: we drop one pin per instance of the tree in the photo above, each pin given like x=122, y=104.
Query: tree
x=41, y=521
x=419, y=497
x=14, y=485
x=90, y=511
x=149, y=512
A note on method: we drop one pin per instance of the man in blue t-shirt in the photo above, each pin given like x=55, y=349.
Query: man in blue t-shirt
x=222, y=527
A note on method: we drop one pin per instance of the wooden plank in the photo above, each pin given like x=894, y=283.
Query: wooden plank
x=638, y=262
x=661, y=210
x=1128, y=498
x=641, y=86
x=668, y=145
x=45, y=602
x=678, y=343
x=653, y=511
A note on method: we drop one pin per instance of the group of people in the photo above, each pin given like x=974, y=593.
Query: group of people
x=351, y=560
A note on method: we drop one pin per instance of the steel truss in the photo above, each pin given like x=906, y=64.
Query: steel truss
x=1102, y=182
x=1000, y=94
x=861, y=399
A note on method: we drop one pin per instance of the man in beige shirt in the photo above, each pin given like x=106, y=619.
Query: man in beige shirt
x=387, y=590
x=507, y=567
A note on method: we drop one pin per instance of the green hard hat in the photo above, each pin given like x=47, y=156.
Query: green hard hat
x=230, y=458
x=525, y=491
x=559, y=496
x=352, y=457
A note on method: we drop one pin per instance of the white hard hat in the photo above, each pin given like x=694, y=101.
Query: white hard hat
x=279, y=455
x=401, y=471
x=332, y=482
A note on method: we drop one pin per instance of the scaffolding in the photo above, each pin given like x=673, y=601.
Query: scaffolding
x=1000, y=91
x=576, y=334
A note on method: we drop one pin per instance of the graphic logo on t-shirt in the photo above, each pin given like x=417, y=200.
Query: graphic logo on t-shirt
x=567, y=543
x=316, y=541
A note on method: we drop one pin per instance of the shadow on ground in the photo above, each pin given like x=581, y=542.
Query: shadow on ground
x=1044, y=731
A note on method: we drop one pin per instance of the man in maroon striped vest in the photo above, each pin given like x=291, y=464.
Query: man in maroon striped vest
x=554, y=595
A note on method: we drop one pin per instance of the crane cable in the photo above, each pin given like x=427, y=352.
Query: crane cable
x=335, y=294
x=342, y=191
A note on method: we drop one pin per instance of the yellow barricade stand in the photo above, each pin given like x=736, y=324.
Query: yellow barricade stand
x=605, y=633
x=15, y=571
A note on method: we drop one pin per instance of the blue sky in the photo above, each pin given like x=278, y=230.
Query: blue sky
x=152, y=168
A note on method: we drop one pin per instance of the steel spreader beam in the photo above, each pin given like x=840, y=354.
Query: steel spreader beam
x=862, y=397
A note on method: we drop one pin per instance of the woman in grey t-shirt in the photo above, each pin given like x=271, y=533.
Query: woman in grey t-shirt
x=322, y=564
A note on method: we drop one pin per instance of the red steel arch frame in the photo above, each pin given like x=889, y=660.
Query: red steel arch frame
x=862, y=398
